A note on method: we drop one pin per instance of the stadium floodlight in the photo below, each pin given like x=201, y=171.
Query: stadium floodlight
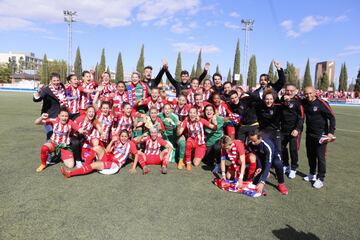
x=248, y=25
x=69, y=19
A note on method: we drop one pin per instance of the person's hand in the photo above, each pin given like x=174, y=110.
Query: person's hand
x=294, y=133
x=277, y=64
x=165, y=63
x=207, y=66
x=132, y=170
x=100, y=88
x=81, y=131
x=260, y=187
x=239, y=184
x=257, y=172
x=103, y=135
x=44, y=116
x=214, y=120
x=331, y=137
x=40, y=87
x=115, y=138
x=287, y=97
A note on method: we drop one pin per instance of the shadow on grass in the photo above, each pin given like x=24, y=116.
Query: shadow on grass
x=291, y=233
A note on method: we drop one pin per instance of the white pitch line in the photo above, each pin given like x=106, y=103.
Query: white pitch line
x=347, y=130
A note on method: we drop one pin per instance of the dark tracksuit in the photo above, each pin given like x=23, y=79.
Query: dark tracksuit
x=248, y=119
x=292, y=118
x=267, y=156
x=320, y=119
x=180, y=86
x=277, y=86
x=218, y=90
x=153, y=83
x=269, y=122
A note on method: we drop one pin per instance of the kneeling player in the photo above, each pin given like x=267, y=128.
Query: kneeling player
x=59, y=140
x=268, y=156
x=234, y=150
x=152, y=154
x=118, y=151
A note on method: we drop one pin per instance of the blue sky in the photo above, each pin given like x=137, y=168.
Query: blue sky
x=285, y=30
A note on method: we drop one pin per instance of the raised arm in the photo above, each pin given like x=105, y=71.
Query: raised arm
x=204, y=73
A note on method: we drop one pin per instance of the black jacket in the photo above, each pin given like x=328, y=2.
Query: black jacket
x=152, y=83
x=277, y=86
x=50, y=104
x=246, y=108
x=180, y=86
x=292, y=116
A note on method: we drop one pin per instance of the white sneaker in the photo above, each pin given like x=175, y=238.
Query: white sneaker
x=286, y=169
x=292, y=174
x=310, y=177
x=318, y=184
x=78, y=164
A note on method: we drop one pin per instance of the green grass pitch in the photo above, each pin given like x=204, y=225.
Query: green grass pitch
x=180, y=205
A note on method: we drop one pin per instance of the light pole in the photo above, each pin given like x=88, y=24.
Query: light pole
x=69, y=18
x=247, y=27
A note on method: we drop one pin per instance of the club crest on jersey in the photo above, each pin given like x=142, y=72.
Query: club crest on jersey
x=315, y=108
x=291, y=105
x=271, y=112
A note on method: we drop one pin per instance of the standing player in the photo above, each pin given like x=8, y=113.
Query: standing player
x=137, y=89
x=320, y=121
x=86, y=98
x=152, y=83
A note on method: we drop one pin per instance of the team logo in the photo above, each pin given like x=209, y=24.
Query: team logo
x=271, y=112
x=315, y=108
x=291, y=105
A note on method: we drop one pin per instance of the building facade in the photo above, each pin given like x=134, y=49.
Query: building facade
x=327, y=67
x=21, y=60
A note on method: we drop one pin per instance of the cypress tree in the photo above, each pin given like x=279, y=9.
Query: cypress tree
x=343, y=78
x=229, y=76
x=102, y=65
x=44, y=72
x=290, y=74
x=324, y=82
x=199, y=69
x=119, y=76
x=271, y=72
x=357, y=84
x=192, y=74
x=236, y=69
x=252, y=72
x=307, y=76
x=178, y=67
x=217, y=68
x=78, y=64
x=140, y=63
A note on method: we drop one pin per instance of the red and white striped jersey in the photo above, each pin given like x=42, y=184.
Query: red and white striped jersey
x=122, y=151
x=108, y=89
x=73, y=98
x=201, y=109
x=223, y=110
x=106, y=124
x=191, y=97
x=86, y=98
x=118, y=100
x=61, y=132
x=206, y=95
x=236, y=149
x=195, y=130
x=149, y=102
x=124, y=122
x=182, y=112
x=152, y=147
x=84, y=123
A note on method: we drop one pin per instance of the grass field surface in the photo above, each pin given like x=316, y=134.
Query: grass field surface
x=179, y=205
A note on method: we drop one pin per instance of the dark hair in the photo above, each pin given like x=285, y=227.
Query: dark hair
x=63, y=109
x=70, y=76
x=55, y=74
x=124, y=131
x=197, y=94
x=184, y=72
x=121, y=82
x=194, y=78
x=148, y=67
x=125, y=104
x=105, y=103
x=266, y=76
x=216, y=75
x=227, y=83
x=211, y=106
x=211, y=83
x=106, y=73
x=156, y=88
x=290, y=84
x=270, y=91
x=85, y=72
x=232, y=92
x=225, y=140
x=255, y=132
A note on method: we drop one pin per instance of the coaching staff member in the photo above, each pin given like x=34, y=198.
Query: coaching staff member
x=320, y=120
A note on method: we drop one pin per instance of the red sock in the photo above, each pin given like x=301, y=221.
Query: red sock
x=82, y=171
x=164, y=163
x=88, y=155
x=188, y=150
x=44, y=152
x=142, y=161
x=251, y=171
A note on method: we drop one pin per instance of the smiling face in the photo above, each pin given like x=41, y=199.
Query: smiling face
x=217, y=81
x=135, y=78
x=167, y=110
x=90, y=113
x=105, y=109
x=74, y=82
x=182, y=100
x=255, y=140
x=227, y=88
x=124, y=137
x=193, y=113
x=105, y=77
x=234, y=98
x=209, y=112
x=121, y=88
x=269, y=100
x=194, y=84
x=216, y=99
x=184, y=78
x=199, y=100
x=147, y=73
x=264, y=80
x=55, y=81
x=153, y=133
x=153, y=114
x=207, y=85
x=155, y=93
x=290, y=91
x=309, y=94
x=64, y=117
x=127, y=109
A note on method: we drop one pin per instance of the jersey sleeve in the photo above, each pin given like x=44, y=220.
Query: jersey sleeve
x=205, y=122
x=74, y=126
x=133, y=149
x=240, y=147
x=162, y=141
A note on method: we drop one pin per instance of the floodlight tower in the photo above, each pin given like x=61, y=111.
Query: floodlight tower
x=247, y=27
x=69, y=19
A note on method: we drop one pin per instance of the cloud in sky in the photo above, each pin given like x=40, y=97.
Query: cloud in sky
x=231, y=25
x=308, y=24
x=350, y=50
x=234, y=14
x=189, y=47
x=109, y=13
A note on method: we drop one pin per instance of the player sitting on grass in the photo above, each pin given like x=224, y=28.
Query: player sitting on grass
x=60, y=139
x=153, y=154
x=268, y=156
x=117, y=151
